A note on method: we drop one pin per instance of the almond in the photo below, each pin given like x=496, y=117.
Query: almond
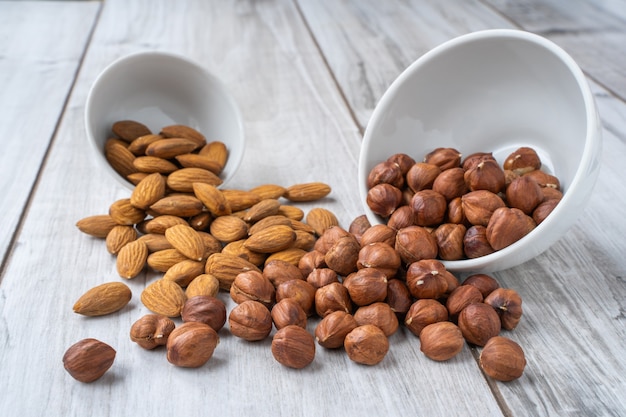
x=203, y=284
x=269, y=191
x=139, y=145
x=307, y=192
x=228, y=229
x=118, y=237
x=240, y=200
x=149, y=190
x=103, y=299
x=193, y=160
x=155, y=242
x=120, y=158
x=212, y=198
x=291, y=212
x=269, y=221
x=271, y=239
x=169, y=148
x=186, y=240
x=263, y=208
x=321, y=219
x=237, y=248
x=131, y=259
x=164, y=297
x=123, y=212
x=211, y=244
x=226, y=267
x=183, y=131
x=136, y=177
x=216, y=151
x=183, y=179
x=98, y=225
x=164, y=259
x=178, y=205
x=151, y=164
x=184, y=272
x=291, y=255
x=130, y=130
x=160, y=224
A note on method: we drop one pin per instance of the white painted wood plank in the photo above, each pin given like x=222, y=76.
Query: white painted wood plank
x=299, y=130
x=39, y=57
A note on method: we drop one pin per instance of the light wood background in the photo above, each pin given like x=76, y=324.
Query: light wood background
x=307, y=76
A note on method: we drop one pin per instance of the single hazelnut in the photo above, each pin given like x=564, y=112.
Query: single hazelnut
x=151, y=330
x=358, y=226
x=450, y=241
x=366, y=345
x=485, y=283
x=455, y=212
x=331, y=331
x=524, y=193
x=461, y=297
x=476, y=158
x=486, y=175
x=407, y=195
x=478, y=323
x=191, y=344
x=205, y=309
x=301, y=291
x=451, y=183
x=398, y=297
x=250, y=320
x=381, y=256
x=379, y=314
x=322, y=276
x=544, y=179
x=404, y=161
x=332, y=297
x=543, y=210
x=414, y=243
x=478, y=206
x=278, y=271
x=444, y=158
x=475, y=243
x=502, y=359
x=252, y=285
x=425, y=279
x=293, y=346
x=343, y=255
x=429, y=207
x=88, y=359
x=310, y=261
x=379, y=233
x=366, y=286
x=329, y=238
x=421, y=176
x=383, y=199
x=441, y=341
x=424, y=312
x=523, y=160
x=507, y=226
x=508, y=304
x=550, y=193
x=385, y=172
x=288, y=312
x=402, y=217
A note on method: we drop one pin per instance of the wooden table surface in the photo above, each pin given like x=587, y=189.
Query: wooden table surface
x=306, y=75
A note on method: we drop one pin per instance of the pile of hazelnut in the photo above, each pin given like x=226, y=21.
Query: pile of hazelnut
x=451, y=208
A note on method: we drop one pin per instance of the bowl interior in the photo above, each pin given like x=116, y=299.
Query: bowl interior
x=490, y=91
x=159, y=89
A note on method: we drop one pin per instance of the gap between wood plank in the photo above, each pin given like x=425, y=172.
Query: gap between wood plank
x=44, y=161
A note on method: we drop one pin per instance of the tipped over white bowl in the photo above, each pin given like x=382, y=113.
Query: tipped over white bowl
x=494, y=91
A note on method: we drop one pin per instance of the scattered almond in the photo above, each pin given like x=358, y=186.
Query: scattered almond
x=103, y=299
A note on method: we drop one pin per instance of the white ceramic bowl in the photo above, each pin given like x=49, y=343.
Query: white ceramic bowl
x=494, y=91
x=160, y=89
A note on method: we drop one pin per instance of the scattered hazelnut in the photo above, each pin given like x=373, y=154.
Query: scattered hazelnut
x=455, y=212
x=366, y=345
x=329, y=238
x=321, y=277
x=398, y=297
x=88, y=359
x=358, y=226
x=205, y=309
x=508, y=304
x=331, y=331
x=425, y=279
x=475, y=243
x=191, y=344
x=424, y=312
x=288, y=312
x=250, y=320
x=383, y=199
x=441, y=341
x=309, y=261
x=502, y=359
x=414, y=243
x=293, y=346
x=478, y=323
x=278, y=271
x=461, y=297
x=301, y=291
x=381, y=256
x=343, y=255
x=332, y=297
x=253, y=285
x=379, y=233
x=485, y=283
x=151, y=330
x=380, y=315
x=366, y=286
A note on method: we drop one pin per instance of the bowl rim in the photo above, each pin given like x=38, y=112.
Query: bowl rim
x=498, y=260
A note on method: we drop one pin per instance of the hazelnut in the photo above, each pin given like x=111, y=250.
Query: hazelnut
x=524, y=193
x=550, y=193
x=381, y=256
x=329, y=238
x=444, y=158
x=543, y=210
x=288, y=312
x=191, y=344
x=544, y=179
x=425, y=279
x=205, y=309
x=486, y=175
x=332, y=297
x=366, y=345
x=151, y=330
x=450, y=241
x=278, y=271
x=450, y=183
x=310, y=261
x=88, y=359
x=424, y=312
x=358, y=226
x=366, y=286
x=455, y=212
x=475, y=242
x=398, y=297
x=421, y=176
x=343, y=255
x=293, y=346
x=478, y=206
x=476, y=158
x=379, y=233
x=322, y=276
x=414, y=243
x=301, y=291
x=522, y=160
x=385, y=172
x=502, y=359
x=250, y=320
x=507, y=226
x=404, y=161
x=380, y=315
x=461, y=297
x=478, y=323
x=402, y=217
x=383, y=199
x=252, y=285
x=508, y=305
x=429, y=207
x=485, y=283
x=441, y=341
x=331, y=331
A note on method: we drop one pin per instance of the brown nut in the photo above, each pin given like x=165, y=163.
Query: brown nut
x=486, y=175
x=429, y=207
x=485, y=283
x=278, y=271
x=366, y=345
x=366, y=286
x=301, y=291
x=253, y=285
x=421, y=176
x=293, y=346
x=385, y=172
x=402, y=217
x=461, y=297
x=450, y=241
x=329, y=238
x=321, y=277
x=543, y=210
x=426, y=279
x=550, y=193
x=250, y=320
x=288, y=312
x=205, y=309
x=475, y=243
x=88, y=359
x=380, y=315
x=476, y=158
x=191, y=344
x=381, y=256
x=524, y=193
x=358, y=226
x=507, y=226
x=502, y=359
x=343, y=255
x=451, y=183
x=151, y=330
x=508, y=305
x=544, y=179
x=424, y=312
x=398, y=297
x=523, y=160
x=478, y=323
x=332, y=297
x=331, y=331
x=379, y=233
x=444, y=158
x=441, y=341
x=404, y=161
x=383, y=199
x=310, y=261
x=455, y=212
x=414, y=243
x=478, y=206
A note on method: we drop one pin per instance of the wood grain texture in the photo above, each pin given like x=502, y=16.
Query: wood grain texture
x=38, y=61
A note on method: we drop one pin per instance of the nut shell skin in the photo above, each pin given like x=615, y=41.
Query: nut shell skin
x=293, y=346
x=507, y=226
x=205, y=309
x=424, y=312
x=380, y=315
x=441, y=341
x=191, y=344
x=478, y=323
x=366, y=345
x=88, y=359
x=332, y=330
x=250, y=320
x=508, y=304
x=502, y=359
x=151, y=330
x=288, y=312
x=485, y=283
